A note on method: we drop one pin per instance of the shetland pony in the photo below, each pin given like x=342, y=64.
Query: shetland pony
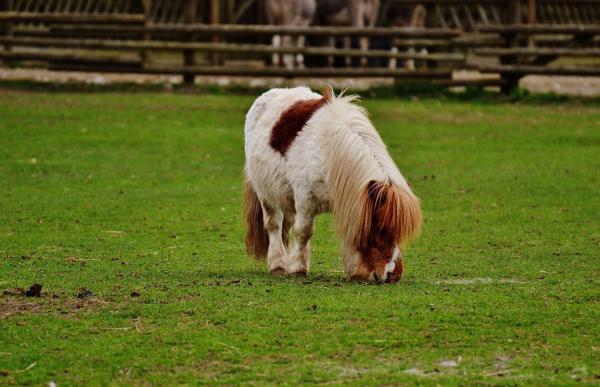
x=307, y=154
x=297, y=13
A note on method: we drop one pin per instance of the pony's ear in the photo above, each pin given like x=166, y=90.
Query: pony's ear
x=328, y=94
x=387, y=209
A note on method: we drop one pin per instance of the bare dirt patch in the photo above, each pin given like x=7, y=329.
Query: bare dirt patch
x=15, y=302
x=9, y=307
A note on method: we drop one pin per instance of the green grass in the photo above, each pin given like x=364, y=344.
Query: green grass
x=121, y=193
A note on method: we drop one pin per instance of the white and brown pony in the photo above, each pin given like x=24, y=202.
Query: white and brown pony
x=293, y=13
x=308, y=153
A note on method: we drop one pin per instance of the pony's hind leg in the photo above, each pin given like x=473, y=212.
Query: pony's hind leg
x=288, y=222
x=276, y=253
x=299, y=257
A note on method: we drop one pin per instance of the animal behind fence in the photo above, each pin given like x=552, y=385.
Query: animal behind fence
x=355, y=13
x=307, y=154
x=299, y=13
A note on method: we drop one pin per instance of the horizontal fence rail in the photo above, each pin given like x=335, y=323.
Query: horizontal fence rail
x=222, y=47
x=571, y=52
x=74, y=18
x=539, y=70
x=266, y=30
x=285, y=73
x=311, y=30
x=531, y=49
x=541, y=29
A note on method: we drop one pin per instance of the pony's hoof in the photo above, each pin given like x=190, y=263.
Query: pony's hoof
x=301, y=273
x=277, y=271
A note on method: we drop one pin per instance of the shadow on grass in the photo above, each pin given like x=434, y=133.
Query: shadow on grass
x=261, y=276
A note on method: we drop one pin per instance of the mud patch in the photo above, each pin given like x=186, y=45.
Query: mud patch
x=11, y=307
x=17, y=303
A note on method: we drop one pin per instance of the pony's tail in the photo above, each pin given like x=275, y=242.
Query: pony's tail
x=257, y=239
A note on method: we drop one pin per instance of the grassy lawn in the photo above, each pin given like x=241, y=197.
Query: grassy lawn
x=136, y=198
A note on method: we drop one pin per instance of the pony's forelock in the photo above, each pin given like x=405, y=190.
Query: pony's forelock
x=388, y=210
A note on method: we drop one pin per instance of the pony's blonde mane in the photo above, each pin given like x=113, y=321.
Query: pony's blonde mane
x=369, y=194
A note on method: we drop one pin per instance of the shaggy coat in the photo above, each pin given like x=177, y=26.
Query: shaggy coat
x=308, y=153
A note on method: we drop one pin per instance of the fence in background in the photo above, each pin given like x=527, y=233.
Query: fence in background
x=510, y=38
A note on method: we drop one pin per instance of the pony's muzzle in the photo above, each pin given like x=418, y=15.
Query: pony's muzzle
x=392, y=272
x=396, y=274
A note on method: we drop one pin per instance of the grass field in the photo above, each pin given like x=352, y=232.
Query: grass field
x=136, y=198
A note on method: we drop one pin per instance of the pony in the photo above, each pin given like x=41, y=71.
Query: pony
x=308, y=153
x=355, y=13
x=408, y=16
x=298, y=13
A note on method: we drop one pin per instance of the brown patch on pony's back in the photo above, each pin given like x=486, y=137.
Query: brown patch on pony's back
x=292, y=121
x=257, y=238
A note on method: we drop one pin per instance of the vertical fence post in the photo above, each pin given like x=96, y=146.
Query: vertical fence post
x=512, y=15
x=260, y=12
x=215, y=20
x=531, y=19
x=7, y=31
x=189, y=56
x=147, y=5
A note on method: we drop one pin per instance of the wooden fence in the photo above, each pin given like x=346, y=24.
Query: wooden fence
x=511, y=38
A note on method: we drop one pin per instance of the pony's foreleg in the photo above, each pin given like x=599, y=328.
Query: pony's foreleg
x=273, y=219
x=410, y=63
x=364, y=47
x=288, y=222
x=393, y=61
x=330, y=59
x=348, y=46
x=276, y=57
x=300, y=43
x=299, y=258
x=424, y=62
x=288, y=59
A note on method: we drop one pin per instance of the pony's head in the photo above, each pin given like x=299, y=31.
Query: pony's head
x=389, y=215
